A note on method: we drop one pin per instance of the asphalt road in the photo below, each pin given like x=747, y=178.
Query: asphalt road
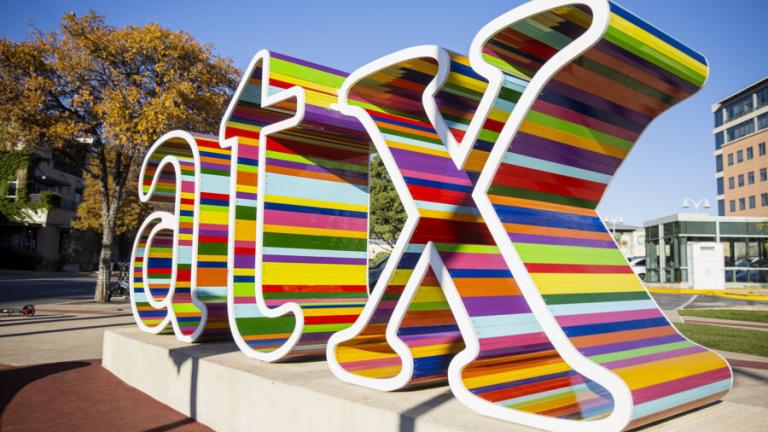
x=18, y=288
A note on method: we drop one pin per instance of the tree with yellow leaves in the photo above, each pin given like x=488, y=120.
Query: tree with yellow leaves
x=100, y=95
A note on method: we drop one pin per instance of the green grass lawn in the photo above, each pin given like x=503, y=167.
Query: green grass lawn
x=727, y=339
x=739, y=315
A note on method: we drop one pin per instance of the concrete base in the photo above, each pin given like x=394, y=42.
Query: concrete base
x=223, y=389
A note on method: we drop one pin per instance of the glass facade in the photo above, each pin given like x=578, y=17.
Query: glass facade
x=745, y=249
x=720, y=190
x=719, y=140
x=740, y=130
x=739, y=108
x=762, y=97
x=719, y=163
x=762, y=121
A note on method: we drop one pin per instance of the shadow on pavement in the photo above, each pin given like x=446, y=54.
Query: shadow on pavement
x=16, y=378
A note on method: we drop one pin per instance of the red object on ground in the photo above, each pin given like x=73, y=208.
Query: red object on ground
x=80, y=396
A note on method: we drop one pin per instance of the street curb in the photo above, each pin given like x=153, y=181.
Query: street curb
x=717, y=293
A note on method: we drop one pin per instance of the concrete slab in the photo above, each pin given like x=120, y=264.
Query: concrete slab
x=223, y=389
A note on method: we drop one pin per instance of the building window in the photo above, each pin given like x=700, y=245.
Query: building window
x=752, y=202
x=721, y=206
x=763, y=174
x=719, y=163
x=740, y=130
x=742, y=204
x=731, y=183
x=740, y=107
x=719, y=140
x=762, y=97
x=751, y=177
x=764, y=199
x=733, y=206
x=720, y=186
x=741, y=180
x=750, y=155
x=718, y=117
x=730, y=159
x=761, y=149
x=762, y=121
x=739, y=156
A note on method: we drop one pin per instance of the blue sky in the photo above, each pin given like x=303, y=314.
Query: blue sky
x=671, y=161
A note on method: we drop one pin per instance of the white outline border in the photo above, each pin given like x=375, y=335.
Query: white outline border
x=262, y=58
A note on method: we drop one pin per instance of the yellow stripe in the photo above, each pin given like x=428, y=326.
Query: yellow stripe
x=314, y=231
x=657, y=44
x=648, y=374
x=571, y=139
x=313, y=274
x=549, y=283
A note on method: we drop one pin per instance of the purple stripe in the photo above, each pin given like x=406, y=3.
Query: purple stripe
x=245, y=261
x=553, y=151
x=560, y=241
x=247, y=195
x=623, y=346
x=495, y=305
x=309, y=259
x=653, y=357
x=326, y=120
x=413, y=161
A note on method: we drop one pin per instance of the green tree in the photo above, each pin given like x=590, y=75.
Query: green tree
x=387, y=213
x=100, y=95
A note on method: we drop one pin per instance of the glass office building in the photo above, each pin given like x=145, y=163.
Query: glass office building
x=744, y=241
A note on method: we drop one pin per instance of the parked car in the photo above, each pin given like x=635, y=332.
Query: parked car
x=638, y=266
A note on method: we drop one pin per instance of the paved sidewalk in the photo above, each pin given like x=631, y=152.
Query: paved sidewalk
x=49, y=382
x=80, y=396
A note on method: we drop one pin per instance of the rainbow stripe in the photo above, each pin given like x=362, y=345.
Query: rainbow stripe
x=304, y=245
x=184, y=253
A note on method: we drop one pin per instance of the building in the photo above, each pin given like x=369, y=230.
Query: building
x=43, y=235
x=744, y=241
x=741, y=134
x=629, y=238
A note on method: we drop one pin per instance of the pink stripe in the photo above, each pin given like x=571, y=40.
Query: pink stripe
x=679, y=385
x=371, y=364
x=597, y=318
x=437, y=177
x=286, y=218
x=516, y=340
x=459, y=260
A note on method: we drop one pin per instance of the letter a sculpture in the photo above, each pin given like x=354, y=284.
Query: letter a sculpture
x=504, y=282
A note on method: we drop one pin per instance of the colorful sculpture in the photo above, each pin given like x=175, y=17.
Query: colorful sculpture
x=504, y=281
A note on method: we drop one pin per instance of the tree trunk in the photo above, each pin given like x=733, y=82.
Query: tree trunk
x=105, y=257
x=105, y=265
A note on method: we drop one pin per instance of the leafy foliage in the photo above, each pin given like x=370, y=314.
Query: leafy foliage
x=387, y=212
x=100, y=95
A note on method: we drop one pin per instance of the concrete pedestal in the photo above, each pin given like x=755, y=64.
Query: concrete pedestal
x=223, y=389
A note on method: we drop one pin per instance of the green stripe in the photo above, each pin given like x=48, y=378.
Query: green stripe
x=578, y=130
x=555, y=299
x=557, y=254
x=301, y=241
